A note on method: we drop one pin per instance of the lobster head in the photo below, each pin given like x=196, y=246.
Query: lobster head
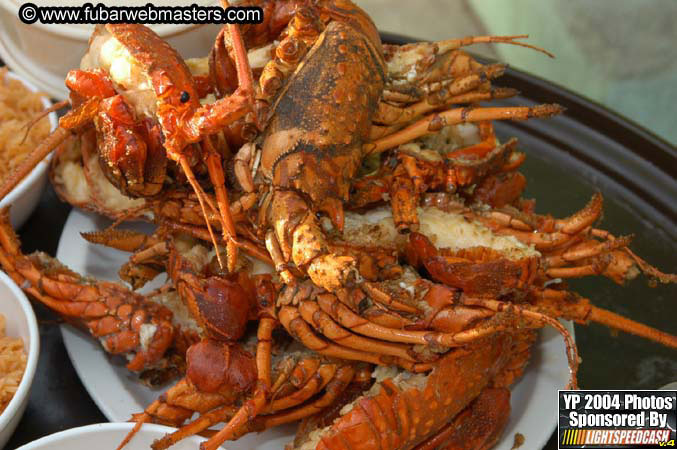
x=162, y=74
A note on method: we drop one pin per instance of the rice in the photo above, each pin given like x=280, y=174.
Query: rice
x=12, y=365
x=18, y=105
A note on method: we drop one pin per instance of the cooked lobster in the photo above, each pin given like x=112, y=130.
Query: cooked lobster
x=368, y=308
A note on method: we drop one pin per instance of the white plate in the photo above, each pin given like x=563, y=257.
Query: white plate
x=106, y=435
x=118, y=394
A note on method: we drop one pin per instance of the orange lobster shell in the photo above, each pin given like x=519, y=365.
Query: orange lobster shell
x=398, y=418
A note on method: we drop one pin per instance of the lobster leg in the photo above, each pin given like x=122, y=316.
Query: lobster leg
x=291, y=319
x=545, y=233
x=217, y=375
x=645, y=267
x=543, y=319
x=350, y=320
x=577, y=272
x=393, y=115
x=387, y=300
x=436, y=121
x=215, y=169
x=311, y=313
x=196, y=426
x=566, y=242
x=149, y=253
x=333, y=389
x=582, y=219
x=587, y=249
x=571, y=225
x=321, y=376
x=257, y=403
x=348, y=335
x=294, y=375
x=439, y=60
x=125, y=240
x=553, y=302
x=314, y=385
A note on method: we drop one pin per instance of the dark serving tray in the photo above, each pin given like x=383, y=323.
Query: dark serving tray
x=570, y=157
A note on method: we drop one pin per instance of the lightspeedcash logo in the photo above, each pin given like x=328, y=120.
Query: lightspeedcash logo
x=617, y=419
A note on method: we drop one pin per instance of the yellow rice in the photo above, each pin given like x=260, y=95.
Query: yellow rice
x=12, y=365
x=18, y=105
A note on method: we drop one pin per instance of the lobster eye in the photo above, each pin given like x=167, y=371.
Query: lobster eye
x=185, y=96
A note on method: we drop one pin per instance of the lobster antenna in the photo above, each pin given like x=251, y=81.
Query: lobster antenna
x=183, y=161
x=57, y=137
x=618, y=322
x=31, y=123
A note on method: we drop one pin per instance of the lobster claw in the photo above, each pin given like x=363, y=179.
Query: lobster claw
x=333, y=208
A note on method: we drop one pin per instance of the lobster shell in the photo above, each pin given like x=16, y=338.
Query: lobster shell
x=400, y=415
x=313, y=142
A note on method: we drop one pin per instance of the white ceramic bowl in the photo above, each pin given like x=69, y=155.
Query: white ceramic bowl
x=26, y=195
x=108, y=436
x=21, y=323
x=44, y=54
